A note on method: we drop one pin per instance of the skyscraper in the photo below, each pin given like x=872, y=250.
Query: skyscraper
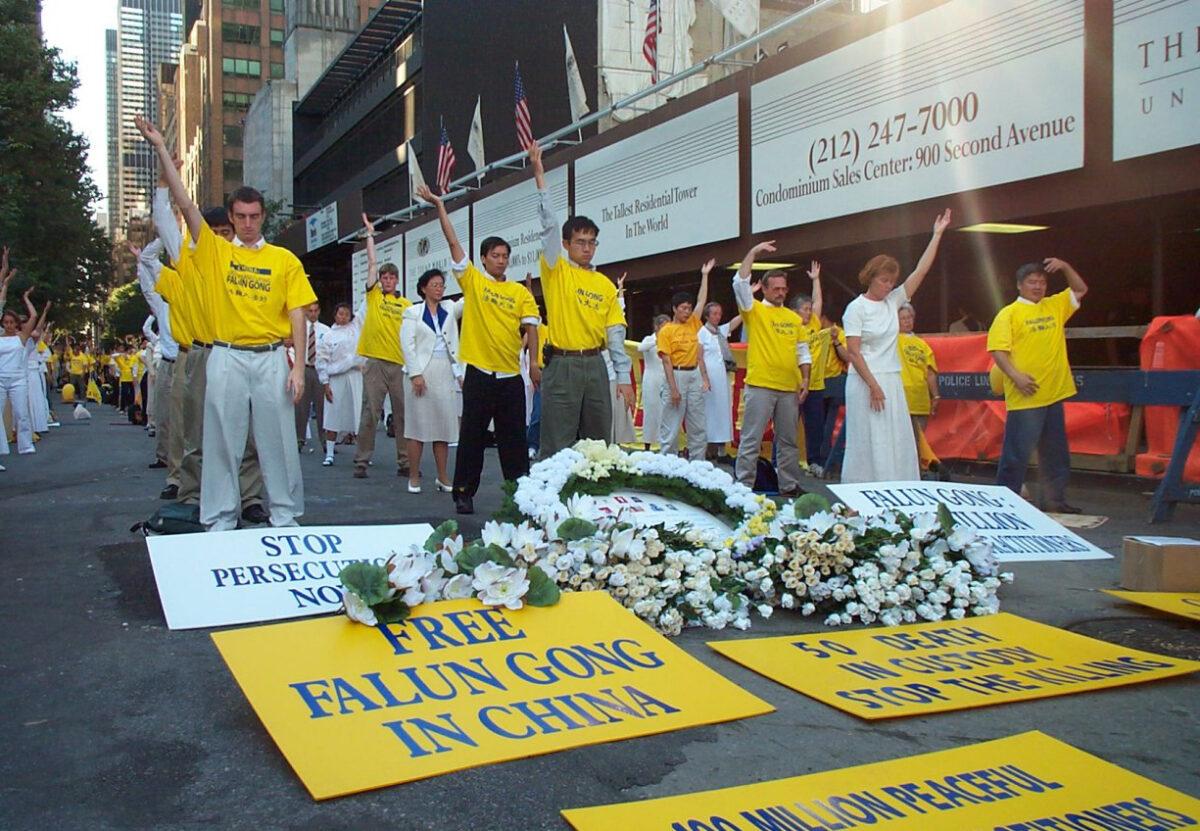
x=149, y=33
x=114, y=154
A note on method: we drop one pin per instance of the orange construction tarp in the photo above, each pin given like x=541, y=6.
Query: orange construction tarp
x=1169, y=343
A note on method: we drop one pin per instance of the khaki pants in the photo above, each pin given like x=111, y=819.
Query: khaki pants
x=690, y=411
x=161, y=387
x=247, y=394
x=192, y=451
x=380, y=379
x=576, y=402
x=314, y=394
x=764, y=405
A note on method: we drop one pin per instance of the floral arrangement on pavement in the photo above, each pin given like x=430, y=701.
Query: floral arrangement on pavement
x=803, y=555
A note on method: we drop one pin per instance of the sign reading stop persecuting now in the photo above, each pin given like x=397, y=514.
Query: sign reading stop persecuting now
x=459, y=684
x=1026, y=782
x=949, y=665
x=260, y=574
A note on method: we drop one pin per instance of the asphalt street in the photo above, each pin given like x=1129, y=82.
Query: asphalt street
x=111, y=721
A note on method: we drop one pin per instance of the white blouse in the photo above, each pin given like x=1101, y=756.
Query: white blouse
x=877, y=323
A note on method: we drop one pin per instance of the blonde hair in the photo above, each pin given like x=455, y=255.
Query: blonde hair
x=879, y=264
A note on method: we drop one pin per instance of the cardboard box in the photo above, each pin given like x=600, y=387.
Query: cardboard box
x=1160, y=564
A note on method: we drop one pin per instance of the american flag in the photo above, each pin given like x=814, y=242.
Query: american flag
x=650, y=44
x=445, y=161
x=524, y=126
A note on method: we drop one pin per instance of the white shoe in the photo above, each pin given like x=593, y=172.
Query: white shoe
x=3, y=468
x=443, y=487
x=816, y=470
x=415, y=488
x=328, y=461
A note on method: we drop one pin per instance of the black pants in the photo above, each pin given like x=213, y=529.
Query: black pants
x=124, y=395
x=487, y=398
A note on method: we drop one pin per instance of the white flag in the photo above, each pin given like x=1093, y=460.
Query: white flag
x=575, y=90
x=415, y=177
x=741, y=14
x=475, y=140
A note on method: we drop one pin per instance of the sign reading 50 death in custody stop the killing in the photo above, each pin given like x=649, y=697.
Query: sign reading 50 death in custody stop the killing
x=963, y=96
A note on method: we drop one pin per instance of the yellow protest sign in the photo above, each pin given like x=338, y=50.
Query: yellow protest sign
x=951, y=665
x=460, y=684
x=1023, y=783
x=1184, y=604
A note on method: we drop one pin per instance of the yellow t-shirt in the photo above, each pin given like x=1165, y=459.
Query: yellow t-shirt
x=126, y=364
x=380, y=337
x=77, y=362
x=816, y=347
x=250, y=291
x=179, y=308
x=195, y=293
x=915, y=357
x=773, y=333
x=580, y=305
x=679, y=343
x=490, y=336
x=543, y=334
x=1033, y=334
x=834, y=366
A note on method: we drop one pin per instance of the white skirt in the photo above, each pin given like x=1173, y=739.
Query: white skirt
x=39, y=407
x=434, y=415
x=880, y=447
x=718, y=403
x=652, y=405
x=343, y=412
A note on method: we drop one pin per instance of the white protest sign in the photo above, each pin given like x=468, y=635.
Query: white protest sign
x=258, y=574
x=390, y=250
x=643, y=509
x=669, y=187
x=1017, y=531
x=1156, y=89
x=964, y=96
x=512, y=215
x=425, y=247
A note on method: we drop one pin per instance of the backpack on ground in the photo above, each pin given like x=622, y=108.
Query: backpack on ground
x=766, y=480
x=173, y=518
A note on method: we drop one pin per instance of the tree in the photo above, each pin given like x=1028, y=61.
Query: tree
x=125, y=311
x=46, y=191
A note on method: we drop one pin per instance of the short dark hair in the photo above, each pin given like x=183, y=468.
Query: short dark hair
x=578, y=223
x=216, y=217
x=246, y=194
x=681, y=297
x=489, y=243
x=389, y=268
x=424, y=279
x=345, y=306
x=1029, y=269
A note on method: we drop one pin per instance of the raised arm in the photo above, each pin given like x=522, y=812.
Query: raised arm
x=551, y=241
x=814, y=274
x=31, y=316
x=1074, y=281
x=702, y=295
x=5, y=277
x=191, y=213
x=457, y=255
x=372, y=260
x=743, y=292
x=913, y=283
x=164, y=219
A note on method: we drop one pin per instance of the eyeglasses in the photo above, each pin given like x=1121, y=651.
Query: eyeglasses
x=586, y=243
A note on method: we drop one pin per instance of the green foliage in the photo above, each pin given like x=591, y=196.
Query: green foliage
x=276, y=221
x=542, y=590
x=391, y=611
x=125, y=311
x=470, y=557
x=809, y=504
x=449, y=528
x=574, y=528
x=945, y=519
x=367, y=580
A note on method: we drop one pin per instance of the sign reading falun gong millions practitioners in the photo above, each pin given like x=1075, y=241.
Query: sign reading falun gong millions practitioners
x=950, y=665
x=512, y=215
x=1156, y=85
x=1184, y=604
x=668, y=187
x=1018, y=531
x=460, y=684
x=265, y=573
x=963, y=96
x=1022, y=783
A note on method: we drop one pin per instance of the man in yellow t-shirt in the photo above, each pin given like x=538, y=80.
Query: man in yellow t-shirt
x=496, y=315
x=255, y=294
x=381, y=312
x=919, y=373
x=778, y=363
x=585, y=320
x=1028, y=342
x=678, y=347
x=812, y=411
x=126, y=364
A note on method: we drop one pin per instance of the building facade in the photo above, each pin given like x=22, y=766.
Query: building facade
x=113, y=214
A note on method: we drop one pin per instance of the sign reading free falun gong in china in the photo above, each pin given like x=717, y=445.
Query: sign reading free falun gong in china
x=1022, y=783
x=951, y=665
x=460, y=684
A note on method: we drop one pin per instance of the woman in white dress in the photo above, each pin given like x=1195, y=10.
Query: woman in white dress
x=339, y=368
x=718, y=404
x=879, y=438
x=14, y=377
x=429, y=338
x=653, y=381
x=35, y=366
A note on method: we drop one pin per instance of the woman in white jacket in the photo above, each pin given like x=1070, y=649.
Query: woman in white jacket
x=653, y=379
x=339, y=368
x=429, y=339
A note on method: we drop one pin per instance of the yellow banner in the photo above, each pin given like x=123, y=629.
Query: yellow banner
x=952, y=665
x=460, y=685
x=1184, y=604
x=1022, y=783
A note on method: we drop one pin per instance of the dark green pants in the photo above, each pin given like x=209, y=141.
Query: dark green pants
x=575, y=402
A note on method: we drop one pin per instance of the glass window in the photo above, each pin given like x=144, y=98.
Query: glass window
x=255, y=68
x=277, y=36
x=228, y=66
x=276, y=5
x=276, y=70
x=233, y=135
x=240, y=33
x=233, y=170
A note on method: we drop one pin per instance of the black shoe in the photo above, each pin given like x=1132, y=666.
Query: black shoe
x=1062, y=508
x=157, y=464
x=402, y=470
x=255, y=515
x=169, y=492
x=463, y=504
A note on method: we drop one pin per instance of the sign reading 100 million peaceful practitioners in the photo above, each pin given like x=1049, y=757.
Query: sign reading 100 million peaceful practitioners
x=963, y=96
x=668, y=187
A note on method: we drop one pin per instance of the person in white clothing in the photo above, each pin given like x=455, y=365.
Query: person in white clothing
x=35, y=367
x=653, y=381
x=718, y=359
x=166, y=348
x=879, y=439
x=14, y=377
x=339, y=372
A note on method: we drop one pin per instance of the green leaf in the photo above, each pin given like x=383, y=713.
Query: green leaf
x=391, y=611
x=945, y=519
x=449, y=528
x=470, y=557
x=574, y=528
x=542, y=590
x=367, y=580
x=498, y=555
x=809, y=504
